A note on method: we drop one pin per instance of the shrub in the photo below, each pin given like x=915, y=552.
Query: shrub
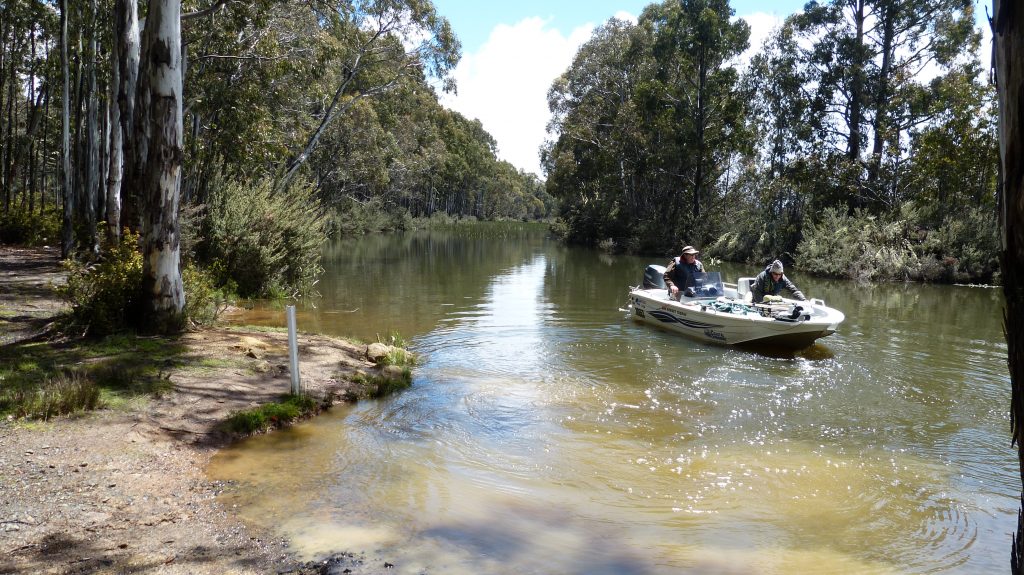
x=971, y=244
x=262, y=241
x=33, y=229
x=863, y=246
x=204, y=301
x=103, y=295
x=353, y=217
x=829, y=246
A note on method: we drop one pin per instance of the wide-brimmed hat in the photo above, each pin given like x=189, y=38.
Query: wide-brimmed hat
x=690, y=250
x=776, y=267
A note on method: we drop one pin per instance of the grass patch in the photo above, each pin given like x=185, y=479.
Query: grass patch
x=116, y=401
x=397, y=354
x=399, y=357
x=206, y=365
x=40, y=380
x=271, y=415
x=377, y=386
x=61, y=393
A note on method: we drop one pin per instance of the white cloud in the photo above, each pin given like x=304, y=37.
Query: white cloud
x=505, y=85
x=625, y=17
x=761, y=26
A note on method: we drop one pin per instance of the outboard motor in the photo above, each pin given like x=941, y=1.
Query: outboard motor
x=654, y=277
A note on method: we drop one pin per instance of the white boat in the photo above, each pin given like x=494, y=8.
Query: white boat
x=722, y=313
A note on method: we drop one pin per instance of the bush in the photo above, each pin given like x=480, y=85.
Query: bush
x=867, y=247
x=103, y=295
x=971, y=244
x=353, y=217
x=859, y=246
x=31, y=229
x=204, y=301
x=263, y=242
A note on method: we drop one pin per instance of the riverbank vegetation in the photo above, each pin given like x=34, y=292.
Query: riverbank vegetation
x=40, y=380
x=859, y=141
x=234, y=138
x=230, y=139
x=271, y=415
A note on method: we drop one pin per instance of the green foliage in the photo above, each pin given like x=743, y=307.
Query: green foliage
x=62, y=393
x=271, y=415
x=838, y=245
x=352, y=217
x=30, y=229
x=397, y=355
x=640, y=144
x=867, y=247
x=377, y=386
x=204, y=301
x=35, y=382
x=261, y=241
x=104, y=295
x=967, y=246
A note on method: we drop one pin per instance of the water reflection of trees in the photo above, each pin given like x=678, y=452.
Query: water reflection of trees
x=406, y=283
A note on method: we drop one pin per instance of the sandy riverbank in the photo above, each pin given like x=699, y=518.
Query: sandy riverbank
x=125, y=491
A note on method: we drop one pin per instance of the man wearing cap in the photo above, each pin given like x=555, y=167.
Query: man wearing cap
x=680, y=272
x=771, y=281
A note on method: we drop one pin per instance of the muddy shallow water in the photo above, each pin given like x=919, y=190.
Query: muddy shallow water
x=546, y=433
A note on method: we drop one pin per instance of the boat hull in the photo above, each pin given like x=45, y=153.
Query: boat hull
x=729, y=320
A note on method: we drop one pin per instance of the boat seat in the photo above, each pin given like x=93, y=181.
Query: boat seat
x=743, y=286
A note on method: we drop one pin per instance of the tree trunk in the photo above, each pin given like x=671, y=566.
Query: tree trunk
x=159, y=121
x=702, y=119
x=881, y=123
x=67, y=230
x=9, y=158
x=1008, y=56
x=35, y=103
x=128, y=54
x=46, y=147
x=92, y=134
x=856, y=84
x=114, y=172
x=329, y=115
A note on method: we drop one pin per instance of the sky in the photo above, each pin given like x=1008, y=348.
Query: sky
x=512, y=51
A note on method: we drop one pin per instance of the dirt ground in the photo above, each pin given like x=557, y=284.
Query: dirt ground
x=125, y=491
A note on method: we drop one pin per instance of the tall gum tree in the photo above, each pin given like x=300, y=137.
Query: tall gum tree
x=1008, y=55
x=662, y=96
x=158, y=155
x=864, y=62
x=380, y=43
x=67, y=227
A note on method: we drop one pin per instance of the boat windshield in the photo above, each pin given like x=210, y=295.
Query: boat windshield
x=708, y=284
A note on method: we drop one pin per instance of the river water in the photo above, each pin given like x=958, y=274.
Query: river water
x=547, y=433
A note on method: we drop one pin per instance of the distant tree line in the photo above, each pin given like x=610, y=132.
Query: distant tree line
x=859, y=141
x=252, y=122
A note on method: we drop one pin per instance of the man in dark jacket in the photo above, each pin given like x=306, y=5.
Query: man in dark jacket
x=680, y=272
x=771, y=281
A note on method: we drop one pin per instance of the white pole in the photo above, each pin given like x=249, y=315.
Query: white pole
x=293, y=351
